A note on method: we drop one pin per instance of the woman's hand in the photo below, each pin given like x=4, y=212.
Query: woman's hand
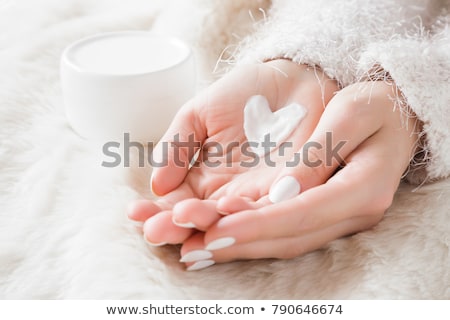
x=377, y=141
x=215, y=117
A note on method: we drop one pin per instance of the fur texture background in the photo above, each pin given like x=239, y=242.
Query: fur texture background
x=63, y=230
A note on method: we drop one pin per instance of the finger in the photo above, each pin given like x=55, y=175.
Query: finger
x=159, y=230
x=174, y=152
x=195, y=213
x=349, y=119
x=141, y=210
x=193, y=253
x=201, y=214
x=364, y=185
x=232, y=204
x=196, y=257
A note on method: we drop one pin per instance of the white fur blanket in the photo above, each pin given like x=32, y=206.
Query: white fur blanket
x=63, y=230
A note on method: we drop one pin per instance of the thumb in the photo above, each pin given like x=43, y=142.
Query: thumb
x=172, y=155
x=334, y=138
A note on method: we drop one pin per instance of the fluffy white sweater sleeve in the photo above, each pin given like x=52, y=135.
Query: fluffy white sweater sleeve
x=409, y=39
x=420, y=66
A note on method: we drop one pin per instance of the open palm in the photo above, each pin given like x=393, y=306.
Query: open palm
x=213, y=122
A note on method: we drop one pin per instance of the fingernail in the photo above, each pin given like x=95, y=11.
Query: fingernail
x=130, y=208
x=220, y=243
x=287, y=188
x=152, y=189
x=200, y=265
x=196, y=255
x=223, y=213
x=151, y=184
x=183, y=224
x=154, y=244
x=135, y=223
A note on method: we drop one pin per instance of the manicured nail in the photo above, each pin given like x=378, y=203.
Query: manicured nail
x=200, y=265
x=151, y=186
x=287, y=188
x=135, y=223
x=223, y=213
x=196, y=255
x=130, y=209
x=154, y=244
x=151, y=182
x=184, y=224
x=220, y=243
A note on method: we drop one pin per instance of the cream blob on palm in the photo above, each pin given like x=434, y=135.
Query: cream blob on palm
x=260, y=122
x=126, y=82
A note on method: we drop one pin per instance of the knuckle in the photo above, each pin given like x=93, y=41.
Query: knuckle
x=317, y=167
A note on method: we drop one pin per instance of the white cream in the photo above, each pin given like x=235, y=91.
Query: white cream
x=126, y=53
x=259, y=121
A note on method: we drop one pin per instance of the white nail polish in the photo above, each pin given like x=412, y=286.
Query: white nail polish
x=154, y=244
x=196, y=255
x=223, y=213
x=287, y=188
x=151, y=187
x=130, y=208
x=220, y=243
x=184, y=225
x=200, y=265
x=138, y=224
x=151, y=183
